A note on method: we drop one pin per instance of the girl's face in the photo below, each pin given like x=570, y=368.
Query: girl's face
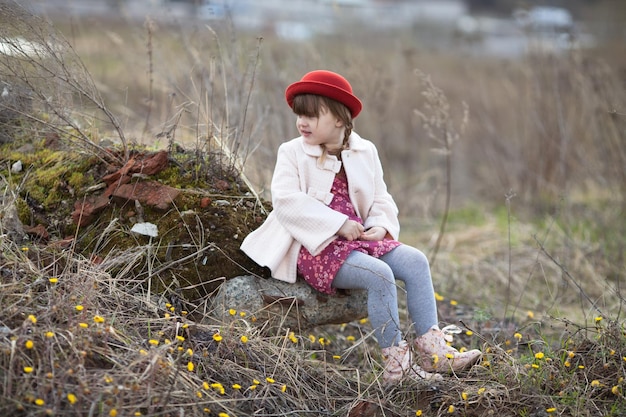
x=324, y=130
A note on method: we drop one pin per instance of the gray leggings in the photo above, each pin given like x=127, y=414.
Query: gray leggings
x=378, y=276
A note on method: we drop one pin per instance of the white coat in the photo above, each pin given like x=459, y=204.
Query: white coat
x=301, y=186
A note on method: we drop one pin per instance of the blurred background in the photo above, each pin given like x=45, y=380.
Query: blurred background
x=517, y=65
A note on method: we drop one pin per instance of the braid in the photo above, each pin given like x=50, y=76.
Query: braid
x=346, y=135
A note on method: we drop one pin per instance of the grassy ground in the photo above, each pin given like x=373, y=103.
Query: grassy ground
x=530, y=262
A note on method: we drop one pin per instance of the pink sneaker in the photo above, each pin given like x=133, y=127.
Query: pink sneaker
x=398, y=364
x=436, y=355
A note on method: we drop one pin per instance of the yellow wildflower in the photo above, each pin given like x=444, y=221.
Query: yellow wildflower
x=595, y=383
x=418, y=413
x=439, y=297
x=113, y=412
x=615, y=390
x=190, y=366
x=39, y=402
x=530, y=314
x=242, y=313
x=29, y=344
x=49, y=335
x=598, y=319
x=469, y=332
x=53, y=280
x=79, y=308
x=283, y=388
x=464, y=396
x=244, y=339
x=451, y=409
x=236, y=386
x=71, y=398
x=551, y=410
x=539, y=355
x=98, y=319
x=270, y=380
x=32, y=319
x=153, y=342
x=83, y=325
x=28, y=369
x=232, y=311
x=217, y=337
x=481, y=391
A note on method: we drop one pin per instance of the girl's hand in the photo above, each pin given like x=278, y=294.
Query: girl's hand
x=375, y=233
x=351, y=230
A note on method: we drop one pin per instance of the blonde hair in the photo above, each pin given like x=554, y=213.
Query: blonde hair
x=311, y=105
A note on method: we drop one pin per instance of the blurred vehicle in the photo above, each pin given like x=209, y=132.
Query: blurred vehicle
x=545, y=19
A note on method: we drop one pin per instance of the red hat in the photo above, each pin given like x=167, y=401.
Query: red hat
x=327, y=84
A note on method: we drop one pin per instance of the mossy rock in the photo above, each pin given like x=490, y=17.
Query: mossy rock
x=199, y=234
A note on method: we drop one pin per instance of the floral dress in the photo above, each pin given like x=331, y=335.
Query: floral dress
x=319, y=271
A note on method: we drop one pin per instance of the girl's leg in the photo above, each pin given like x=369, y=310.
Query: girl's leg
x=361, y=271
x=411, y=266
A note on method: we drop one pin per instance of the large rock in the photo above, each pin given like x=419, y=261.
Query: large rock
x=296, y=306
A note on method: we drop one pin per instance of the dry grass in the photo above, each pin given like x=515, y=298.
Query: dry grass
x=78, y=341
x=544, y=296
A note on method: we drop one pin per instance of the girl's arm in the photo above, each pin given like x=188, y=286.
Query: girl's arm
x=309, y=220
x=383, y=212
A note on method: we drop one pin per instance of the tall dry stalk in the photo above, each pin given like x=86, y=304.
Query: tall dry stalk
x=39, y=61
x=440, y=127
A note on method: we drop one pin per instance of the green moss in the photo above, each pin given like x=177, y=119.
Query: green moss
x=23, y=211
x=79, y=180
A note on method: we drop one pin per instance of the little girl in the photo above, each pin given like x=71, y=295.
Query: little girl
x=334, y=223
